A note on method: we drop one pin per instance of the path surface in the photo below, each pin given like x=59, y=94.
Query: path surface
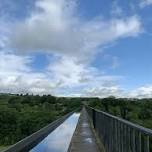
x=83, y=139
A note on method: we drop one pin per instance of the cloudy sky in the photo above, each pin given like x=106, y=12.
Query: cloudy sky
x=76, y=47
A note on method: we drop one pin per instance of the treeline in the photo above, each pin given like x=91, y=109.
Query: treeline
x=21, y=115
x=135, y=110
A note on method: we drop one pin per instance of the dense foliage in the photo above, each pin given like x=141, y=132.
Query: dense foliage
x=21, y=115
x=136, y=110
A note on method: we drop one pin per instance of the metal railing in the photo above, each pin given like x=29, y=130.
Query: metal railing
x=119, y=135
x=31, y=141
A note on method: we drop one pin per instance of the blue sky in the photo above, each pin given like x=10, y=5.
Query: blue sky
x=76, y=48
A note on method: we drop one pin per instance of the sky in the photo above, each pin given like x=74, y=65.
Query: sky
x=85, y=48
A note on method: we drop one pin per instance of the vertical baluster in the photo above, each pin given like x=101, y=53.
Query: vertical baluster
x=113, y=135
x=119, y=136
x=146, y=144
x=129, y=139
x=102, y=116
x=115, y=139
x=133, y=141
x=138, y=141
x=94, y=118
x=108, y=134
x=105, y=140
x=117, y=143
x=125, y=138
x=99, y=125
x=104, y=127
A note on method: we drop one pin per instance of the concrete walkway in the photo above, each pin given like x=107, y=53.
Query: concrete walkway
x=83, y=139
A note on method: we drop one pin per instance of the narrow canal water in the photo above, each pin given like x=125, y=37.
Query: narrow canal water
x=59, y=139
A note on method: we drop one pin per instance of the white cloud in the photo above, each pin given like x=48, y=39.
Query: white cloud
x=117, y=91
x=66, y=75
x=116, y=9
x=104, y=91
x=141, y=92
x=57, y=27
x=10, y=63
x=145, y=3
x=69, y=72
x=51, y=28
x=16, y=76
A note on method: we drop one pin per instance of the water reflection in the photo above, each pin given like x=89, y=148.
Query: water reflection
x=59, y=139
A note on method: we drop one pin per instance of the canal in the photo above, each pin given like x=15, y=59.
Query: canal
x=59, y=140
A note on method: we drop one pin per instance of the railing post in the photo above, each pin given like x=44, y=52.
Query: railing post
x=94, y=117
x=119, y=135
x=146, y=144
x=138, y=141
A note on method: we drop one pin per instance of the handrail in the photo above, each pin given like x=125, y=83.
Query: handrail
x=119, y=135
x=31, y=141
x=133, y=125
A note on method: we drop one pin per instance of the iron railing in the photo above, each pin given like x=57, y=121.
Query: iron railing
x=31, y=141
x=119, y=135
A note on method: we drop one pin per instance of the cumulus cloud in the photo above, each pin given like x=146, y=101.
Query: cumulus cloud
x=145, y=3
x=69, y=72
x=56, y=26
x=104, y=91
x=141, y=92
x=10, y=63
x=116, y=9
x=117, y=91
x=16, y=76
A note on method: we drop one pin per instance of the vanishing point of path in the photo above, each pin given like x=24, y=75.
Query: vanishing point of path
x=83, y=139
